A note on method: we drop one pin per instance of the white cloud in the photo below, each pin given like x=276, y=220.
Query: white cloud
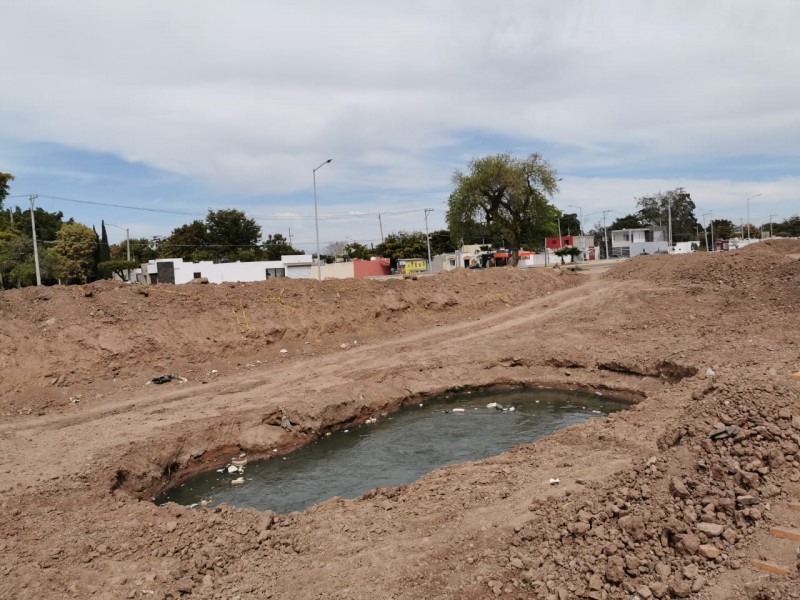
x=248, y=96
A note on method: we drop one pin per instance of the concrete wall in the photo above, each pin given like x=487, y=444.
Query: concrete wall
x=298, y=267
x=371, y=268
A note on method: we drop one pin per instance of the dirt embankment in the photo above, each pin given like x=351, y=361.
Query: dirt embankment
x=56, y=340
x=674, y=498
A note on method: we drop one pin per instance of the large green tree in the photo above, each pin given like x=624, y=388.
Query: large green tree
x=626, y=222
x=723, y=229
x=189, y=242
x=76, y=245
x=441, y=242
x=512, y=193
x=230, y=231
x=655, y=211
x=403, y=244
x=788, y=227
x=276, y=246
x=225, y=235
x=5, y=179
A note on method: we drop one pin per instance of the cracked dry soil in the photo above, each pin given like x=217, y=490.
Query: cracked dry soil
x=676, y=497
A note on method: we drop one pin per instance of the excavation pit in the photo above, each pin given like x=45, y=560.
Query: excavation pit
x=396, y=449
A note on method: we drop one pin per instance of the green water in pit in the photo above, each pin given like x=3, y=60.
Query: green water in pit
x=396, y=450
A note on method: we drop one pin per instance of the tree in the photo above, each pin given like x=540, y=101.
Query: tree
x=723, y=229
x=570, y=224
x=356, y=250
x=142, y=250
x=225, y=235
x=109, y=268
x=441, y=242
x=75, y=244
x=403, y=245
x=47, y=223
x=336, y=248
x=5, y=178
x=654, y=211
x=276, y=246
x=627, y=222
x=509, y=192
x=230, y=232
x=572, y=251
x=189, y=242
x=788, y=227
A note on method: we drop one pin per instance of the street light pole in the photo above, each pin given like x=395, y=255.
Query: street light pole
x=770, y=223
x=748, y=214
x=316, y=217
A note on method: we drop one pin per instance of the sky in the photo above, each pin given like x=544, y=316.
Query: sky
x=175, y=108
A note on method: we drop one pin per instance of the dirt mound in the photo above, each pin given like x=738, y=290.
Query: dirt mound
x=677, y=497
x=53, y=338
x=752, y=270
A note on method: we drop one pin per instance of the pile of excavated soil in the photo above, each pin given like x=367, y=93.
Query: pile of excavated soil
x=52, y=339
x=690, y=493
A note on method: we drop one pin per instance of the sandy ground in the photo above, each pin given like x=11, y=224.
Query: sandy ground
x=658, y=501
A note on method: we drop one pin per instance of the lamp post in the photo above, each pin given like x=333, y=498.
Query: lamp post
x=316, y=216
x=705, y=231
x=127, y=243
x=580, y=211
x=770, y=223
x=748, y=214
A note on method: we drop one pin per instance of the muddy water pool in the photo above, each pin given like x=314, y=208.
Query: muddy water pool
x=397, y=449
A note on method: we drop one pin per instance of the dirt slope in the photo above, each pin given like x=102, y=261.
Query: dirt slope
x=649, y=503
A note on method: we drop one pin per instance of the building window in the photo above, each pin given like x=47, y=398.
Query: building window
x=276, y=273
x=648, y=235
x=197, y=275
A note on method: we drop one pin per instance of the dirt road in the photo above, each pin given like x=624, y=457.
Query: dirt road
x=648, y=503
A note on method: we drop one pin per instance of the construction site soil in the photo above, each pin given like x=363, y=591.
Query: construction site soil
x=690, y=493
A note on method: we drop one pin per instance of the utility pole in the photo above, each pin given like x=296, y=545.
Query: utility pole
x=559, y=231
x=605, y=232
x=428, y=237
x=770, y=223
x=35, y=245
x=669, y=217
x=290, y=236
x=380, y=224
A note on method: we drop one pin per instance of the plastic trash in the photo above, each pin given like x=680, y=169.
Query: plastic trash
x=163, y=378
x=458, y=410
x=232, y=469
x=238, y=481
x=554, y=481
x=710, y=372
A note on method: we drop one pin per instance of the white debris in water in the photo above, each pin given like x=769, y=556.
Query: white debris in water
x=238, y=481
x=232, y=469
x=458, y=410
x=491, y=405
x=421, y=405
x=598, y=393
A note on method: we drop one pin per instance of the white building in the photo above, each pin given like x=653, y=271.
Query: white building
x=176, y=270
x=633, y=242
